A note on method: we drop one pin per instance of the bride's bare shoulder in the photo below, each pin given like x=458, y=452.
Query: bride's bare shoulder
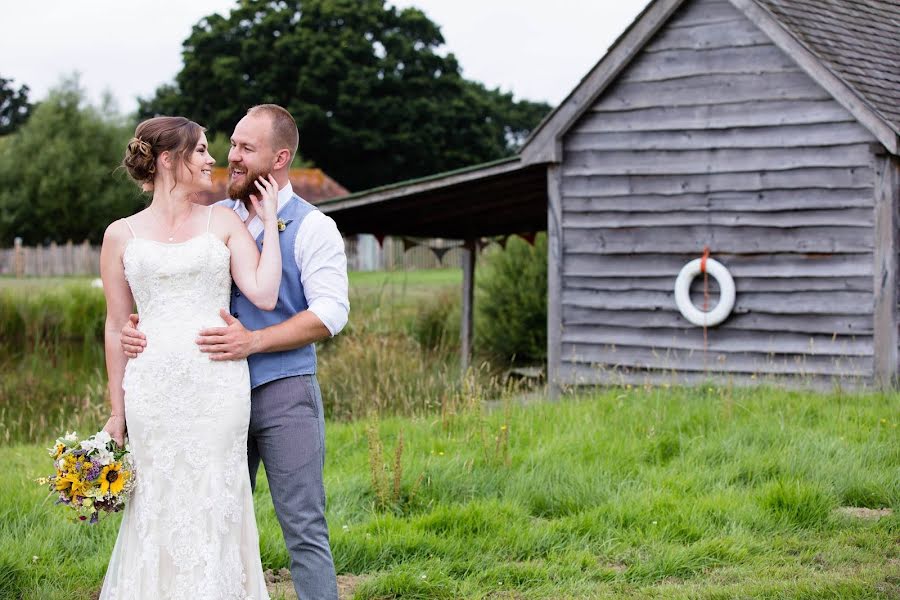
x=224, y=214
x=117, y=232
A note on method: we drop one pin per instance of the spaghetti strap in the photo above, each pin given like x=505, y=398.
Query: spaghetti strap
x=130, y=228
x=209, y=218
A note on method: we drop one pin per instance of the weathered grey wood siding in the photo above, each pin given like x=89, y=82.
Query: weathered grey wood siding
x=713, y=136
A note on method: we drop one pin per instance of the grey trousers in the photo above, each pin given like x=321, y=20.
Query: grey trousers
x=287, y=432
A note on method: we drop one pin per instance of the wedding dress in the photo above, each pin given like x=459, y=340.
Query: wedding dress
x=189, y=530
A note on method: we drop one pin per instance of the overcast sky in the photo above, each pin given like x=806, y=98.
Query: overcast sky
x=537, y=49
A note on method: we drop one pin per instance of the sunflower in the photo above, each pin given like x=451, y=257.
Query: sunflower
x=112, y=478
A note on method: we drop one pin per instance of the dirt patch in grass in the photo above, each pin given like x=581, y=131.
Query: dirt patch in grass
x=347, y=584
x=281, y=587
x=864, y=513
x=615, y=566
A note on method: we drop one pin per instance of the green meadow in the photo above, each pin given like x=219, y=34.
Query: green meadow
x=621, y=493
x=442, y=488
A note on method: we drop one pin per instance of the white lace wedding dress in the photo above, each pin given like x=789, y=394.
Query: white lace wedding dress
x=189, y=530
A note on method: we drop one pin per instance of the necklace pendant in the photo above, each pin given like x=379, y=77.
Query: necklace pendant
x=171, y=239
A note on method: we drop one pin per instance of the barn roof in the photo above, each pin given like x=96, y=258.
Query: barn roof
x=858, y=40
x=495, y=198
x=849, y=47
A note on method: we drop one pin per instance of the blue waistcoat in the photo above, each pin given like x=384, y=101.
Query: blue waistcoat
x=269, y=366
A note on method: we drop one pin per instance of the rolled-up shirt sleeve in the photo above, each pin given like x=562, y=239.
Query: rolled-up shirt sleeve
x=320, y=256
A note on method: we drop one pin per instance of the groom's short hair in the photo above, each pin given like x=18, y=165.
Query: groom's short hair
x=284, y=128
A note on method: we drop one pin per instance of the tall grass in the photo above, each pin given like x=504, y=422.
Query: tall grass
x=38, y=317
x=399, y=354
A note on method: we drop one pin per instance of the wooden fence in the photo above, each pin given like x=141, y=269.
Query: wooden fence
x=396, y=254
x=363, y=254
x=50, y=261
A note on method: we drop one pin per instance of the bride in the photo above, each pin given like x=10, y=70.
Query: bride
x=189, y=530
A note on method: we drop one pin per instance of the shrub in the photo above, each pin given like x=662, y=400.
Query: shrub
x=511, y=301
x=437, y=320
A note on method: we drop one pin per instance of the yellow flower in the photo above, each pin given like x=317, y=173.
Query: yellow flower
x=112, y=478
x=59, y=450
x=67, y=481
x=79, y=488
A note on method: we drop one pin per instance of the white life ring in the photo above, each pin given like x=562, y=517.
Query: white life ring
x=690, y=312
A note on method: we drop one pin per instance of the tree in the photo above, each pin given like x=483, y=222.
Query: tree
x=14, y=106
x=58, y=175
x=374, y=99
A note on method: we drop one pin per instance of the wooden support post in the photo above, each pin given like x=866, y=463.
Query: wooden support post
x=554, y=281
x=469, y=253
x=887, y=204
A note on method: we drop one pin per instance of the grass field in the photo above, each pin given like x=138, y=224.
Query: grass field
x=53, y=373
x=623, y=493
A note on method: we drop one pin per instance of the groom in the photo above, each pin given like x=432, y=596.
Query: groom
x=287, y=424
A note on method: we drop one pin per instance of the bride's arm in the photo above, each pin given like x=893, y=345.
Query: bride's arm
x=257, y=276
x=119, y=303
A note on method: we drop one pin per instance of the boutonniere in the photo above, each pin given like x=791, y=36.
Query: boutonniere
x=282, y=224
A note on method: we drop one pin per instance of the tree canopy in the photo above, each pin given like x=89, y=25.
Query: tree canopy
x=374, y=98
x=58, y=176
x=14, y=106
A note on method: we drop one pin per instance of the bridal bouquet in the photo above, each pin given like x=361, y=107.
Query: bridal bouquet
x=92, y=476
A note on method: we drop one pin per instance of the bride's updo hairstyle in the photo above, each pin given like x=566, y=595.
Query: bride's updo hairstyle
x=176, y=135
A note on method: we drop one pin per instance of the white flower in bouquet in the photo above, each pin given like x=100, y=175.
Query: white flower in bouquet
x=104, y=456
x=97, y=442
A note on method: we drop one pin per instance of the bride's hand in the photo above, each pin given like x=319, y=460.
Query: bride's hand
x=115, y=427
x=266, y=205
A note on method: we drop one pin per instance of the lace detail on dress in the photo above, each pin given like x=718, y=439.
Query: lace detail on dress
x=189, y=530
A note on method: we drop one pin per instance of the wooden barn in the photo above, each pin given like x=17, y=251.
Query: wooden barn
x=764, y=130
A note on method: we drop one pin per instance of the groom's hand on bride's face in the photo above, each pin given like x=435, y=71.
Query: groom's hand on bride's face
x=132, y=340
x=231, y=342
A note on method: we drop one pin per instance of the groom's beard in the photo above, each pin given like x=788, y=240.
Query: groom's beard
x=241, y=189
